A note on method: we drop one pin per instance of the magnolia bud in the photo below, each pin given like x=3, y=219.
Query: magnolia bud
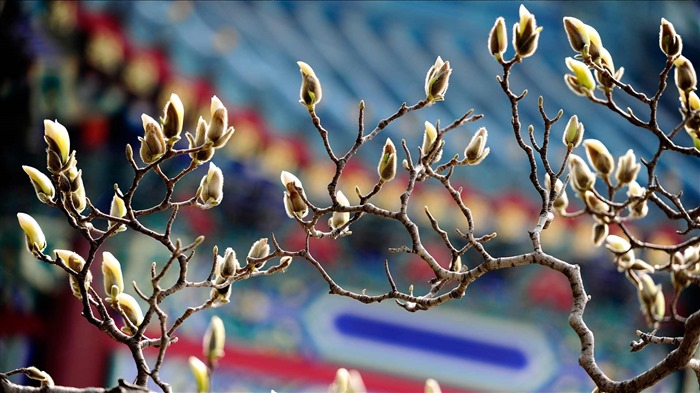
x=627, y=168
x=342, y=381
x=429, y=138
x=437, y=80
x=582, y=178
x=652, y=300
x=117, y=209
x=573, y=133
x=34, y=236
x=294, y=203
x=112, y=276
x=686, y=79
x=58, y=141
x=259, y=249
x=70, y=258
x=526, y=34
x=132, y=311
x=616, y=244
x=387, y=164
x=77, y=189
x=200, y=140
x=42, y=184
x=38, y=375
x=173, y=118
x=228, y=264
x=669, y=42
x=582, y=82
x=211, y=188
x=219, y=132
x=498, y=39
x=338, y=219
x=75, y=287
x=152, y=144
x=606, y=62
x=431, y=385
x=214, y=339
x=562, y=200
x=600, y=232
x=577, y=34
x=594, y=203
x=201, y=374
x=310, y=93
x=595, y=43
x=476, y=150
x=598, y=156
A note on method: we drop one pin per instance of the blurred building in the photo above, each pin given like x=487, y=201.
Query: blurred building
x=96, y=66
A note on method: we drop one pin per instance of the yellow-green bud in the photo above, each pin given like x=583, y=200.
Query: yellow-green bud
x=573, y=133
x=42, y=184
x=58, y=141
x=616, y=244
x=214, y=340
x=201, y=374
x=387, y=164
x=310, y=93
x=34, y=236
x=132, y=310
x=38, y=375
x=582, y=82
x=577, y=33
x=117, y=209
x=429, y=138
x=600, y=232
x=684, y=75
x=112, y=276
x=594, y=203
x=669, y=42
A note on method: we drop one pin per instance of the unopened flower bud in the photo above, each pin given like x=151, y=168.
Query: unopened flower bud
x=214, y=340
x=132, y=311
x=684, y=75
x=498, y=39
x=616, y=244
x=200, y=140
x=652, y=300
x=562, y=200
x=228, y=265
x=342, y=381
x=437, y=80
x=338, y=219
x=582, y=178
x=219, y=132
x=526, y=34
x=669, y=42
x=573, y=133
x=582, y=82
x=294, y=203
x=432, y=386
x=310, y=93
x=71, y=259
x=42, y=184
x=34, y=236
x=152, y=144
x=600, y=232
x=173, y=118
x=117, y=209
x=606, y=62
x=594, y=203
x=387, y=164
x=112, y=276
x=577, y=33
x=58, y=141
x=429, y=138
x=77, y=189
x=211, y=188
x=599, y=157
x=259, y=249
x=595, y=43
x=38, y=375
x=201, y=374
x=476, y=150
x=627, y=168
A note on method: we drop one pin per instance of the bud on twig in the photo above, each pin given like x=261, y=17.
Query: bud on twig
x=131, y=309
x=41, y=376
x=173, y=118
x=200, y=140
x=214, y=339
x=627, y=168
x=228, y=264
x=638, y=208
x=652, y=300
x=76, y=188
x=152, y=144
x=387, y=164
x=669, y=42
x=201, y=374
x=117, y=209
x=437, y=80
x=476, y=150
x=600, y=232
x=429, y=138
x=310, y=93
x=562, y=201
x=42, y=184
x=58, y=141
x=211, y=188
x=577, y=33
x=498, y=39
x=259, y=249
x=594, y=203
x=112, y=276
x=294, y=204
x=573, y=133
x=582, y=178
x=581, y=82
x=684, y=75
x=338, y=219
x=599, y=157
x=34, y=236
x=526, y=34
x=219, y=132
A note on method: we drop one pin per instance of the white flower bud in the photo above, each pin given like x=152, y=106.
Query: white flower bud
x=476, y=150
x=627, y=168
x=573, y=133
x=338, y=219
x=132, y=310
x=310, y=93
x=173, y=119
x=259, y=249
x=211, y=188
x=42, y=184
x=112, y=276
x=577, y=33
x=34, y=236
x=58, y=141
x=669, y=42
x=293, y=202
x=598, y=156
x=437, y=80
x=152, y=144
x=498, y=39
x=526, y=34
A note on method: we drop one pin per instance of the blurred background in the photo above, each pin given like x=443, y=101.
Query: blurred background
x=96, y=66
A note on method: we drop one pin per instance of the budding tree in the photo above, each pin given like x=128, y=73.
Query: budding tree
x=613, y=192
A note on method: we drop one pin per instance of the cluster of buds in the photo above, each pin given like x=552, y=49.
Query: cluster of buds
x=294, y=196
x=159, y=137
x=225, y=268
x=210, y=136
x=61, y=162
x=74, y=261
x=437, y=80
x=211, y=188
